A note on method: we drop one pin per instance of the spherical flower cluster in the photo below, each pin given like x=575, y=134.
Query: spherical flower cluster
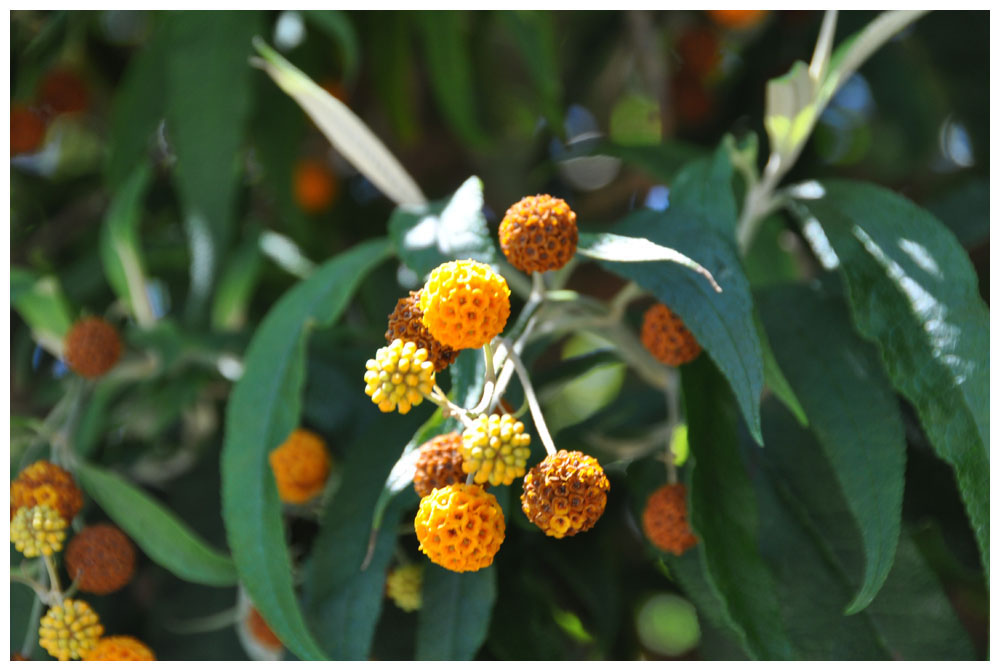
x=261, y=631
x=404, y=584
x=399, y=375
x=92, y=347
x=565, y=493
x=120, y=649
x=665, y=522
x=666, y=337
x=460, y=527
x=737, y=19
x=44, y=483
x=495, y=449
x=301, y=466
x=38, y=530
x=439, y=463
x=315, y=185
x=62, y=91
x=539, y=233
x=27, y=129
x=406, y=324
x=101, y=559
x=69, y=630
x=465, y=304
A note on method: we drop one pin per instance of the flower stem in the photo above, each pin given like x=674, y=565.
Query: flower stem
x=536, y=410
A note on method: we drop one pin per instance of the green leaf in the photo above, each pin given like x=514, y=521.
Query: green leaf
x=455, y=615
x=209, y=89
x=263, y=409
x=344, y=590
x=791, y=109
x=42, y=305
x=449, y=64
x=138, y=107
x=700, y=223
x=445, y=230
x=661, y=161
x=394, y=73
x=913, y=291
x=235, y=290
x=852, y=410
x=343, y=128
x=724, y=516
x=158, y=531
x=775, y=379
x=814, y=548
x=534, y=36
x=121, y=251
x=338, y=27
x=625, y=249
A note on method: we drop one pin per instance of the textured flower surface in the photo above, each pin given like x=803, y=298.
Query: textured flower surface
x=495, y=449
x=539, y=233
x=465, y=304
x=665, y=521
x=69, y=630
x=666, y=337
x=406, y=324
x=460, y=527
x=301, y=466
x=404, y=585
x=565, y=493
x=120, y=649
x=37, y=531
x=101, y=559
x=399, y=377
x=44, y=483
x=92, y=347
x=439, y=463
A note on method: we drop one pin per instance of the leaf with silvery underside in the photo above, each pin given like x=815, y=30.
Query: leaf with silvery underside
x=622, y=248
x=343, y=129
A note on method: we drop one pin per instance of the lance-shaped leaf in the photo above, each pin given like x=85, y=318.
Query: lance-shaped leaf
x=263, y=409
x=913, y=291
x=155, y=529
x=724, y=516
x=852, y=410
x=121, y=253
x=343, y=129
x=455, y=615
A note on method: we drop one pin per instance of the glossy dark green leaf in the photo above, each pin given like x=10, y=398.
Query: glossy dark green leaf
x=445, y=230
x=447, y=49
x=121, y=251
x=263, y=409
x=699, y=224
x=852, y=410
x=965, y=209
x=344, y=589
x=628, y=249
x=155, y=529
x=455, y=615
x=812, y=544
x=913, y=291
x=775, y=379
x=208, y=85
x=724, y=516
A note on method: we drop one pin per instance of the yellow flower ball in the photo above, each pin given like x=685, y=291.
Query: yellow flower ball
x=399, y=377
x=495, y=449
x=69, y=630
x=38, y=530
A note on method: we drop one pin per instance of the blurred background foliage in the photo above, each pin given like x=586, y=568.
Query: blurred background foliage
x=150, y=132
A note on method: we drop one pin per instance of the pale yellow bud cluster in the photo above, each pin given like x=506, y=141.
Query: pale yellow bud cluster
x=399, y=376
x=495, y=450
x=38, y=530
